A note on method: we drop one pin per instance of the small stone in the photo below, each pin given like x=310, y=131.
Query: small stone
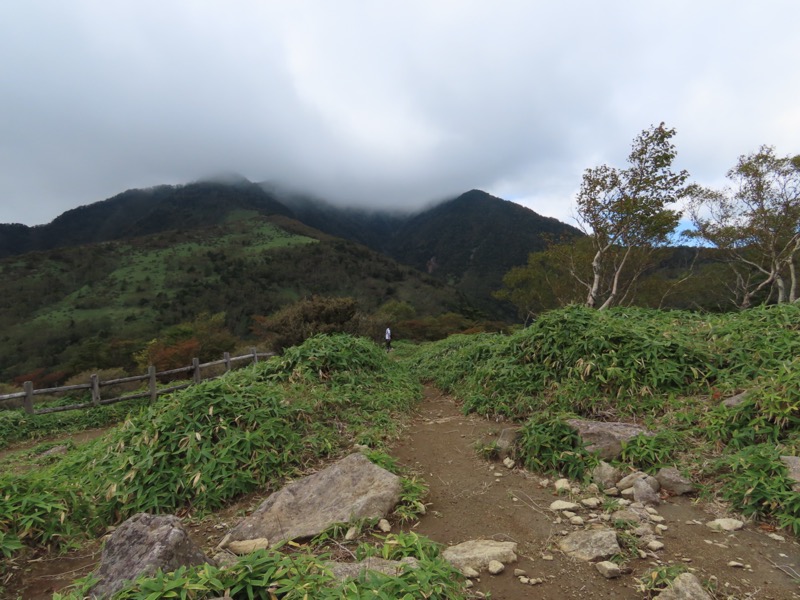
x=470, y=573
x=591, y=502
x=384, y=526
x=735, y=564
x=524, y=580
x=612, y=491
x=592, y=488
x=497, y=474
x=421, y=509
x=520, y=572
x=608, y=569
x=247, y=546
x=568, y=514
x=468, y=584
x=627, y=493
x=496, y=567
x=651, y=510
x=725, y=524
x=544, y=483
x=776, y=537
x=655, y=545
x=508, y=462
x=562, y=485
x=351, y=534
x=661, y=528
x=547, y=557
x=563, y=505
x=624, y=502
x=576, y=520
x=536, y=581
x=657, y=518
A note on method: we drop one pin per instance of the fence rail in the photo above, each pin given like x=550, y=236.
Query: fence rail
x=28, y=392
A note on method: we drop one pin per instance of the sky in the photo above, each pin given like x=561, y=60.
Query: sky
x=382, y=103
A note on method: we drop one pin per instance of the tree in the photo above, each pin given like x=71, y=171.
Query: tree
x=756, y=222
x=626, y=214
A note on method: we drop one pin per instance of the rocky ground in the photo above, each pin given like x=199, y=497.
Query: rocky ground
x=473, y=498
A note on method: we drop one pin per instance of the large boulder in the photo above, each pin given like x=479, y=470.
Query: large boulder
x=591, y=544
x=350, y=489
x=605, y=439
x=142, y=545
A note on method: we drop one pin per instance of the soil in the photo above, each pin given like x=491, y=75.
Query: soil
x=473, y=498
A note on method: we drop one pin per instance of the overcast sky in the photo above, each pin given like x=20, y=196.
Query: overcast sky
x=382, y=103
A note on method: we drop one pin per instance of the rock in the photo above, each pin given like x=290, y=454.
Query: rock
x=496, y=567
x=563, y=505
x=520, y=573
x=562, y=486
x=351, y=534
x=725, y=524
x=735, y=564
x=643, y=492
x=605, y=438
x=608, y=569
x=477, y=554
x=508, y=462
x=643, y=530
x=225, y=558
x=605, y=475
x=628, y=515
x=777, y=537
x=384, y=526
x=140, y=546
x=734, y=401
x=506, y=441
x=388, y=567
x=672, y=481
x=591, y=502
x=590, y=545
x=628, y=481
x=470, y=572
x=576, y=520
x=655, y=545
x=55, y=450
x=612, y=491
x=350, y=489
x=793, y=466
x=627, y=493
x=685, y=587
x=247, y=546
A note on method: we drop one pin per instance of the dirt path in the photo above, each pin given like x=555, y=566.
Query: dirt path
x=471, y=498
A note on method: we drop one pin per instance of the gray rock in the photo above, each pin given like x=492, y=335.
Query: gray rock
x=685, y=587
x=672, y=481
x=477, y=554
x=734, y=400
x=793, y=466
x=590, y=545
x=344, y=571
x=350, y=489
x=628, y=481
x=605, y=438
x=643, y=492
x=725, y=524
x=558, y=505
x=608, y=569
x=496, y=567
x=629, y=515
x=142, y=545
x=605, y=475
x=506, y=441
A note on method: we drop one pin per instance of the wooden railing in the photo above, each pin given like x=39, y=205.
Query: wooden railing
x=153, y=391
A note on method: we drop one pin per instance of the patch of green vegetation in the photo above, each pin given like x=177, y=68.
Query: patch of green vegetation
x=669, y=370
x=302, y=574
x=203, y=446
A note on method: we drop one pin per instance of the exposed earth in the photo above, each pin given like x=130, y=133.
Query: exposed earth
x=472, y=498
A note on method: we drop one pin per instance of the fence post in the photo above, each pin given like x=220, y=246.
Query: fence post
x=196, y=370
x=95, y=390
x=227, y=358
x=255, y=355
x=151, y=372
x=28, y=387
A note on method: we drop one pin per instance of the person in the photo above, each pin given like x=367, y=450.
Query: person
x=388, y=337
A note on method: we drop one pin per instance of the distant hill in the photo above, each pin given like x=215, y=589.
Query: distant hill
x=139, y=212
x=470, y=241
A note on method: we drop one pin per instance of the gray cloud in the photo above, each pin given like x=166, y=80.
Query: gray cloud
x=380, y=104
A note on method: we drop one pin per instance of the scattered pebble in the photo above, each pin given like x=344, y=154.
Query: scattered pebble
x=496, y=567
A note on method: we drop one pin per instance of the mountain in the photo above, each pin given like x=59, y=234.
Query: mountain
x=470, y=241
x=139, y=212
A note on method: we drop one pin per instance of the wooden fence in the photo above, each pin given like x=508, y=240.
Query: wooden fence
x=95, y=385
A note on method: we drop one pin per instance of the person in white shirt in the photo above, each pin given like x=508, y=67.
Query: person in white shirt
x=388, y=337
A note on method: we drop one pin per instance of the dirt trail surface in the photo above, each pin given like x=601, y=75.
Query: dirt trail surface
x=471, y=498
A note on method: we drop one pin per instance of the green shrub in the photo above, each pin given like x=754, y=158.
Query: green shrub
x=550, y=445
